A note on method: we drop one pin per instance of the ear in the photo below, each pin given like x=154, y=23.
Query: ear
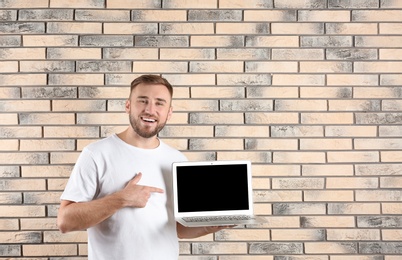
x=170, y=112
x=128, y=106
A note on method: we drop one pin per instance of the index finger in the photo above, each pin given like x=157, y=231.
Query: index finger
x=155, y=189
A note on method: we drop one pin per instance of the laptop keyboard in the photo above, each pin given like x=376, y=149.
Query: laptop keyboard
x=218, y=218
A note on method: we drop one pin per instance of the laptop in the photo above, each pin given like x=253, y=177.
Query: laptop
x=213, y=193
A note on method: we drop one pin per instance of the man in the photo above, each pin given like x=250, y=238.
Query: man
x=120, y=188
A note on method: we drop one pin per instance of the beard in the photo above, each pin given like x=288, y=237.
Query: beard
x=145, y=132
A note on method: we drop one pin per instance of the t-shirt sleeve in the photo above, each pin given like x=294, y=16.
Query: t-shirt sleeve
x=83, y=183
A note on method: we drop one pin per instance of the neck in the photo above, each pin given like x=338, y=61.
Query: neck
x=132, y=138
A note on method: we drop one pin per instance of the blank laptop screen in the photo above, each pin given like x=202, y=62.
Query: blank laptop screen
x=212, y=188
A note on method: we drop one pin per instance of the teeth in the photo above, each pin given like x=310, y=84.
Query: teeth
x=148, y=119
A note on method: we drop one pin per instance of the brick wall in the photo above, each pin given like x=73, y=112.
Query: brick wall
x=308, y=90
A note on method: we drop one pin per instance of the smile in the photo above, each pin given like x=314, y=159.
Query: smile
x=149, y=120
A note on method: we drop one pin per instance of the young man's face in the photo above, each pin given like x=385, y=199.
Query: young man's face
x=149, y=108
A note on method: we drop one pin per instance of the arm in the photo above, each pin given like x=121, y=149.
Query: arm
x=74, y=216
x=194, y=232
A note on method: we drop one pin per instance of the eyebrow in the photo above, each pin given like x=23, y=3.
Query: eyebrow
x=159, y=99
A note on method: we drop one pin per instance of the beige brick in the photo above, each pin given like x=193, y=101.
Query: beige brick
x=299, y=208
x=327, y=170
x=391, y=208
x=50, y=250
x=216, y=118
x=155, y=67
x=297, y=183
x=376, y=15
x=326, y=66
x=261, y=183
x=76, y=79
x=216, y=144
x=23, y=184
x=392, y=105
x=270, y=66
x=325, y=144
x=130, y=28
x=328, y=222
x=233, y=257
x=297, y=131
x=382, y=144
x=22, y=79
x=391, y=79
x=25, y=105
x=242, y=54
x=187, y=54
x=354, y=208
x=74, y=27
x=72, y=131
x=378, y=41
x=378, y=195
x=390, y=54
x=216, y=41
x=56, y=184
x=104, y=93
x=212, y=66
x=9, y=145
x=57, y=237
x=352, y=80
x=282, y=222
x=389, y=235
x=271, y=144
x=354, y=105
x=8, y=66
x=23, y=53
x=242, y=28
x=242, y=79
x=22, y=211
x=20, y=132
x=394, y=156
x=378, y=67
x=217, y=92
x=38, y=223
x=20, y=237
x=351, y=131
x=240, y=131
x=24, y=158
x=45, y=171
x=74, y=53
x=352, y=183
x=102, y=118
x=195, y=105
x=272, y=118
x=193, y=79
x=242, y=234
x=42, y=197
x=256, y=157
x=207, y=4
x=300, y=105
x=9, y=224
x=353, y=235
x=352, y=156
x=351, y=28
x=47, y=145
x=272, y=41
x=297, y=28
x=246, y=5
x=325, y=92
x=78, y=105
x=298, y=157
x=328, y=195
x=297, y=54
x=298, y=235
x=187, y=28
x=275, y=170
x=330, y=248
x=11, y=92
x=327, y=118
x=391, y=182
x=219, y=248
x=187, y=131
x=297, y=79
x=324, y=15
x=273, y=92
x=63, y=158
x=267, y=15
x=47, y=118
x=50, y=40
x=159, y=15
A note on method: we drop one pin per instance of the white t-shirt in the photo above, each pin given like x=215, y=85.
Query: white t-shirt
x=105, y=167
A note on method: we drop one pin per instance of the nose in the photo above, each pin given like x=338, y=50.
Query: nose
x=149, y=108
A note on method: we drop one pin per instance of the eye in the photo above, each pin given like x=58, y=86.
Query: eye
x=160, y=103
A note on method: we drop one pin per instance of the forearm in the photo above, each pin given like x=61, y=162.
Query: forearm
x=190, y=232
x=82, y=215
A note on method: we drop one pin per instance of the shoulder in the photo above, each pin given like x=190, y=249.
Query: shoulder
x=173, y=152
x=101, y=145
